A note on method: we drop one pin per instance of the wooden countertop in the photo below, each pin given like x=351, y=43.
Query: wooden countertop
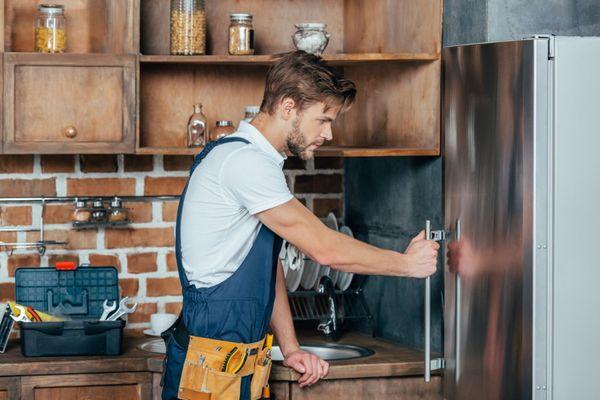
x=389, y=360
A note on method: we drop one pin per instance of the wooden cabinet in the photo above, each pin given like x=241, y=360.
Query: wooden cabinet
x=69, y=103
x=10, y=388
x=122, y=386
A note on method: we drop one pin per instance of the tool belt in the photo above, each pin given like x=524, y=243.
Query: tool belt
x=213, y=369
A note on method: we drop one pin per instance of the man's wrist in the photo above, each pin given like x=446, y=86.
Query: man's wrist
x=287, y=348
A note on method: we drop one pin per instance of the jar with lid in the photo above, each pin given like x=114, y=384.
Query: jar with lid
x=188, y=27
x=197, y=130
x=250, y=112
x=116, y=212
x=81, y=213
x=241, y=34
x=98, y=211
x=50, y=29
x=222, y=128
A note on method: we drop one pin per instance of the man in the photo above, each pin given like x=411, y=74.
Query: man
x=232, y=216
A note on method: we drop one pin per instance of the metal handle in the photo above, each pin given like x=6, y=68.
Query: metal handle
x=70, y=131
x=457, y=316
x=427, y=313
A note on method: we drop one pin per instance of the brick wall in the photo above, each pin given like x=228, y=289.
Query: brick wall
x=143, y=252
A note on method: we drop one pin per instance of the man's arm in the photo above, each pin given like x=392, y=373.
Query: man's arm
x=299, y=226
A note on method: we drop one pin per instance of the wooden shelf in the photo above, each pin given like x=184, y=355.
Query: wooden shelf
x=333, y=59
x=176, y=151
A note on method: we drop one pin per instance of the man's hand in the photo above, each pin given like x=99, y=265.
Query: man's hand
x=309, y=365
x=423, y=256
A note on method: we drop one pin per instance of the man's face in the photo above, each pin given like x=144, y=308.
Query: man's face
x=310, y=129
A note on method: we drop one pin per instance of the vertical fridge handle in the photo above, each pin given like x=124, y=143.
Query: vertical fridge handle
x=428, y=313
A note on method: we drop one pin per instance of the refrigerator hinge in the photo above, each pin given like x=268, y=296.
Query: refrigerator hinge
x=551, y=44
x=437, y=363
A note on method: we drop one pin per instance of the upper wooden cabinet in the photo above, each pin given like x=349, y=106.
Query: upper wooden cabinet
x=69, y=103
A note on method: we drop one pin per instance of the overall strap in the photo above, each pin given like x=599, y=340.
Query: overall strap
x=197, y=160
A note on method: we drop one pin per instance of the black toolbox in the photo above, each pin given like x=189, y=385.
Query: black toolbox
x=77, y=294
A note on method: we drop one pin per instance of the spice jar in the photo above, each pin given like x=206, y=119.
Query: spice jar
x=81, y=214
x=250, y=112
x=197, y=127
x=98, y=212
x=117, y=213
x=241, y=34
x=188, y=27
x=50, y=29
x=222, y=128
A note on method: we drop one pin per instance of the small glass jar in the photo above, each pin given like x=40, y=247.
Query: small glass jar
x=241, y=35
x=188, y=27
x=250, y=112
x=197, y=130
x=311, y=37
x=81, y=214
x=50, y=29
x=222, y=129
x=98, y=212
x=116, y=212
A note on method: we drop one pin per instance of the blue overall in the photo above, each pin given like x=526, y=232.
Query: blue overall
x=237, y=309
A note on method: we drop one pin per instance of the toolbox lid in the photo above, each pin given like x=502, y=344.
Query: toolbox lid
x=77, y=293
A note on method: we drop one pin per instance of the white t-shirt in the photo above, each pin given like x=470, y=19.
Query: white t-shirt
x=218, y=222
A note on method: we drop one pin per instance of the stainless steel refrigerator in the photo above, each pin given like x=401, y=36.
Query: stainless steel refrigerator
x=521, y=129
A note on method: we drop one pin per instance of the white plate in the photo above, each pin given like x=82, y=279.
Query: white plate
x=324, y=270
x=295, y=266
x=292, y=280
x=150, y=332
x=345, y=278
x=310, y=274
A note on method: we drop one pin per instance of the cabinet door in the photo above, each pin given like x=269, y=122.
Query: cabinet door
x=122, y=386
x=69, y=103
x=10, y=388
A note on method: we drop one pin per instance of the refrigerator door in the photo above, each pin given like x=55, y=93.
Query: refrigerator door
x=495, y=105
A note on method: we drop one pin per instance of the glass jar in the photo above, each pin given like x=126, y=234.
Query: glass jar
x=222, y=128
x=250, y=112
x=188, y=27
x=197, y=129
x=50, y=29
x=311, y=37
x=241, y=35
x=116, y=212
x=98, y=212
x=81, y=214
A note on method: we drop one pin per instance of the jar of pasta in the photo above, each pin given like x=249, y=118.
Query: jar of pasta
x=241, y=34
x=50, y=29
x=188, y=27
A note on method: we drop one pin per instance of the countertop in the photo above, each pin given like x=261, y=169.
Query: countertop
x=389, y=360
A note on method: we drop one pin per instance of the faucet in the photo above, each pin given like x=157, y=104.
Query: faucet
x=329, y=325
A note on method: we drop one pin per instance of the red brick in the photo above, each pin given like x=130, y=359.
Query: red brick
x=294, y=163
x=142, y=262
x=58, y=213
x=8, y=237
x=322, y=207
x=129, y=287
x=163, y=287
x=173, y=308
x=142, y=313
x=17, y=215
x=134, y=163
x=27, y=187
x=83, y=239
x=164, y=186
x=7, y=291
x=22, y=260
x=318, y=183
x=171, y=262
x=16, y=164
x=177, y=163
x=169, y=211
x=57, y=163
x=103, y=260
x=139, y=211
x=142, y=237
x=98, y=163
x=329, y=163
x=54, y=258
x=101, y=187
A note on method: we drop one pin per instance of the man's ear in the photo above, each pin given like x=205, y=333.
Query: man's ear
x=287, y=108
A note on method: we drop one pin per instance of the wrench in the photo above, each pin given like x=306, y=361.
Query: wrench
x=123, y=309
x=108, y=309
x=22, y=314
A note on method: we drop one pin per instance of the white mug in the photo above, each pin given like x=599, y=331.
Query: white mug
x=160, y=322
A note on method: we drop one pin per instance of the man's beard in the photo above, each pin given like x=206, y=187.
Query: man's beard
x=296, y=142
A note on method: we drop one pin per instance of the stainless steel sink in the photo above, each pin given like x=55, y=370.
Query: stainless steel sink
x=329, y=351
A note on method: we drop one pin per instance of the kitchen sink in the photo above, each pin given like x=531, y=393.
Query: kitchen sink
x=328, y=352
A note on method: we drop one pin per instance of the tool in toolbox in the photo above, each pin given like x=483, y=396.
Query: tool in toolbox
x=32, y=314
x=22, y=316
x=108, y=309
x=123, y=309
x=6, y=325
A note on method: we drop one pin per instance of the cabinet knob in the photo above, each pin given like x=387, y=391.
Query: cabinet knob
x=70, y=131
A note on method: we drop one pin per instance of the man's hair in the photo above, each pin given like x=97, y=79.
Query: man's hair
x=306, y=79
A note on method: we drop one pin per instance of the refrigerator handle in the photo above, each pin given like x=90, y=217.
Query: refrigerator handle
x=428, y=313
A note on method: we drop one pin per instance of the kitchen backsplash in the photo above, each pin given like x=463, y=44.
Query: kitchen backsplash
x=143, y=252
